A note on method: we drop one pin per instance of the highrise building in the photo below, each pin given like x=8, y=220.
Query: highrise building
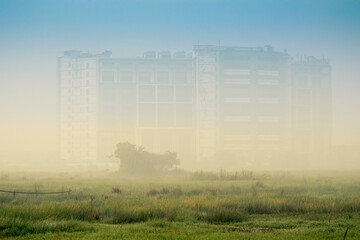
x=148, y=101
x=78, y=85
x=312, y=105
x=244, y=101
x=250, y=103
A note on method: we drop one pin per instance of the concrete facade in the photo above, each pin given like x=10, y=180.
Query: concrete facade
x=252, y=102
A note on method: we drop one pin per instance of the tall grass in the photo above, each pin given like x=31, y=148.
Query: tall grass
x=210, y=201
x=223, y=175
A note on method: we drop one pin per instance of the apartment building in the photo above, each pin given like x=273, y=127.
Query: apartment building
x=78, y=75
x=251, y=102
x=247, y=93
x=148, y=101
x=312, y=105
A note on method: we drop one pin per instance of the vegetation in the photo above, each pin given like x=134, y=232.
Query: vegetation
x=284, y=207
x=136, y=161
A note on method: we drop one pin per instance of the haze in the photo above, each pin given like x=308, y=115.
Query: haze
x=34, y=34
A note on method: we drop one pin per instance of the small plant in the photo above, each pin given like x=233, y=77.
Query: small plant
x=116, y=190
x=213, y=191
x=36, y=188
x=94, y=213
x=164, y=190
x=194, y=192
x=254, y=191
x=152, y=192
x=176, y=190
x=282, y=191
x=259, y=184
x=222, y=215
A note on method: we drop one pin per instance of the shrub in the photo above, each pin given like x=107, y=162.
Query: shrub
x=194, y=192
x=164, y=190
x=116, y=190
x=20, y=227
x=222, y=215
x=224, y=175
x=152, y=192
x=259, y=184
x=213, y=191
x=176, y=190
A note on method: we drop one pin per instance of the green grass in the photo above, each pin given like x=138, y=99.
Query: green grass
x=266, y=206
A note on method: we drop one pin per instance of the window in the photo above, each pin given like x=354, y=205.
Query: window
x=144, y=77
x=126, y=76
x=268, y=100
x=236, y=79
x=146, y=115
x=183, y=115
x=183, y=93
x=165, y=93
x=268, y=119
x=147, y=93
x=165, y=115
x=268, y=81
x=162, y=77
x=180, y=77
x=107, y=76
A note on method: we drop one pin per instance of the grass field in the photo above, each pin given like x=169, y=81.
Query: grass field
x=200, y=206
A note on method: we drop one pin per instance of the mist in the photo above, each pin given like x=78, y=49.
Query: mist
x=224, y=84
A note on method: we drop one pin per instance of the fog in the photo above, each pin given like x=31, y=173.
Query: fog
x=224, y=84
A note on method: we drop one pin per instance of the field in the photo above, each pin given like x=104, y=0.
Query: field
x=199, y=206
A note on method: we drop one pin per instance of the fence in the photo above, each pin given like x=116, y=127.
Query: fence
x=36, y=193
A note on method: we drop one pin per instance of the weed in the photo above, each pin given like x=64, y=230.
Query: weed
x=152, y=192
x=116, y=190
x=213, y=191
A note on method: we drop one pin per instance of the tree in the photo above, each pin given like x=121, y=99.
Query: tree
x=136, y=161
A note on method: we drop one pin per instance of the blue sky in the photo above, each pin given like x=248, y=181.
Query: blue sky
x=300, y=26
x=33, y=33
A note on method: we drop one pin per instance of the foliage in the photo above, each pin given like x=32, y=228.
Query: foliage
x=223, y=175
x=136, y=161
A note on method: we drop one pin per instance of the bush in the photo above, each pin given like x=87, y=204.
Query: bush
x=222, y=215
x=223, y=175
x=176, y=190
x=213, y=191
x=19, y=227
x=116, y=190
x=164, y=190
x=194, y=192
x=152, y=192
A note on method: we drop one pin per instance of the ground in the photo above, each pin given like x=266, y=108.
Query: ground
x=248, y=206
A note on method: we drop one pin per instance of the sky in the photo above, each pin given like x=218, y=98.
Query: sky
x=34, y=33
